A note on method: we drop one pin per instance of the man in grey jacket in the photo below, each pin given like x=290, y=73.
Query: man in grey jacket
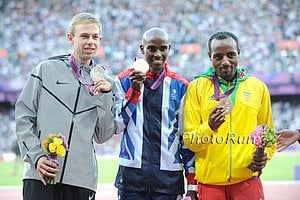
x=60, y=96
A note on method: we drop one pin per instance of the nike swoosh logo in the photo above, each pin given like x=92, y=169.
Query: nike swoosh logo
x=92, y=196
x=60, y=83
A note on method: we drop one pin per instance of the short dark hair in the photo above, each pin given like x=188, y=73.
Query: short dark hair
x=221, y=35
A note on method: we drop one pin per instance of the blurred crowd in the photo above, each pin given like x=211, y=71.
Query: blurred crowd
x=33, y=30
x=7, y=129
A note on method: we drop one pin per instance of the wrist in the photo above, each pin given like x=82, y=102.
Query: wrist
x=135, y=89
x=37, y=161
x=190, y=178
x=193, y=187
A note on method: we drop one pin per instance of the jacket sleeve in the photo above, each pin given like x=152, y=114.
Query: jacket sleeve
x=125, y=104
x=265, y=117
x=188, y=156
x=105, y=125
x=26, y=117
x=194, y=127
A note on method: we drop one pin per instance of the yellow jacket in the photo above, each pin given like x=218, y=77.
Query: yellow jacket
x=223, y=157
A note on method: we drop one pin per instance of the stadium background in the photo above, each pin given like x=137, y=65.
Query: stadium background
x=269, y=33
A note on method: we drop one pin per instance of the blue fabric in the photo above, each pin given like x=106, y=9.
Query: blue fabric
x=125, y=195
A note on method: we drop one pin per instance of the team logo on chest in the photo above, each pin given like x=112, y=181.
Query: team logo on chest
x=246, y=95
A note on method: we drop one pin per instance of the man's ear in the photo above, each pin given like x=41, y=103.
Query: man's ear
x=70, y=37
x=239, y=52
x=142, y=49
x=208, y=53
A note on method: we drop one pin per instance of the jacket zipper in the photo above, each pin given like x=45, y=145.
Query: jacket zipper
x=230, y=149
x=70, y=133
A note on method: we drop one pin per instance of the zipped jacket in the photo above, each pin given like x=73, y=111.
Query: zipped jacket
x=53, y=100
x=223, y=156
x=152, y=154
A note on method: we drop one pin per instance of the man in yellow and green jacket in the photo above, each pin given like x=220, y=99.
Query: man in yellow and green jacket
x=223, y=106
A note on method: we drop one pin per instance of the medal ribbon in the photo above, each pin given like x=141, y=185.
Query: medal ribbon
x=76, y=70
x=157, y=82
x=218, y=95
x=90, y=86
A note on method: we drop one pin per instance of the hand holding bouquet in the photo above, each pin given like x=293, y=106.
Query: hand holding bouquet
x=261, y=137
x=55, y=145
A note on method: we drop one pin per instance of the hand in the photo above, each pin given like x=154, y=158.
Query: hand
x=286, y=138
x=259, y=160
x=46, y=168
x=192, y=194
x=101, y=86
x=136, y=79
x=216, y=118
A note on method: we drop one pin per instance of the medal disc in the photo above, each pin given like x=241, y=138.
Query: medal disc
x=226, y=104
x=97, y=73
x=141, y=65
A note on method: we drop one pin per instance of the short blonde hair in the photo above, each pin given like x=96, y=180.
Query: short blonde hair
x=84, y=18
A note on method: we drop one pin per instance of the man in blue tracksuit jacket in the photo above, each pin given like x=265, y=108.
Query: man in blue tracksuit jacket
x=148, y=112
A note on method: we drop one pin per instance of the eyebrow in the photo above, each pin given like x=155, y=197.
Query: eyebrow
x=89, y=34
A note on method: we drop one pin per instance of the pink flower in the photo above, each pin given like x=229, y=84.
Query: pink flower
x=263, y=136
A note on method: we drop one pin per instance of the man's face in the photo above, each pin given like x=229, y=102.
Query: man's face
x=224, y=57
x=156, y=51
x=85, y=41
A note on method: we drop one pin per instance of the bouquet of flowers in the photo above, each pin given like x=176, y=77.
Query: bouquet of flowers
x=55, y=145
x=262, y=137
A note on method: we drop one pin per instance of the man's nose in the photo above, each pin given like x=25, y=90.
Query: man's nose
x=225, y=61
x=90, y=40
x=157, y=54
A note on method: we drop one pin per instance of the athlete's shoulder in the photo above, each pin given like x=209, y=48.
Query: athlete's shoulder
x=125, y=73
x=60, y=57
x=176, y=76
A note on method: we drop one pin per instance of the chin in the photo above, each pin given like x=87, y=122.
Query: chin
x=229, y=77
x=157, y=66
x=226, y=76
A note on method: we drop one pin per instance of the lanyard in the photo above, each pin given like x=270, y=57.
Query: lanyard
x=154, y=86
x=157, y=82
x=218, y=95
x=76, y=70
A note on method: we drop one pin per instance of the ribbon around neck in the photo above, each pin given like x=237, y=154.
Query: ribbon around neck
x=75, y=70
x=157, y=82
x=218, y=95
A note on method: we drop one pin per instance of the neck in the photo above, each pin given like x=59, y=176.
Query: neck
x=157, y=71
x=229, y=79
x=82, y=61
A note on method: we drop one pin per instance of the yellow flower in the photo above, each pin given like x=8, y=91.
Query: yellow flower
x=61, y=151
x=57, y=147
